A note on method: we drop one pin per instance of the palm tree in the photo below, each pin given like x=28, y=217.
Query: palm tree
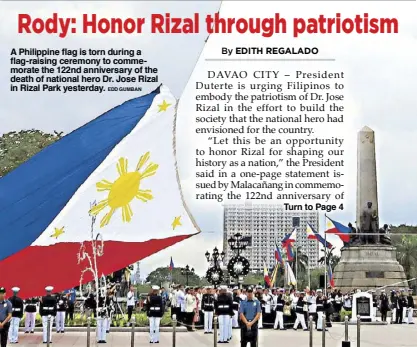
x=407, y=255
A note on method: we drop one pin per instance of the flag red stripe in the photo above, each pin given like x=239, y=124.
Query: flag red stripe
x=36, y=267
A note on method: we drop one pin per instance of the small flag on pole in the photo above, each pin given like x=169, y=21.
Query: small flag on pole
x=278, y=255
x=287, y=244
x=314, y=235
x=171, y=265
x=266, y=277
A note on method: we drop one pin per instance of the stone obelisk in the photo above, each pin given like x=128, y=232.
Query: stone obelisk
x=366, y=181
x=374, y=265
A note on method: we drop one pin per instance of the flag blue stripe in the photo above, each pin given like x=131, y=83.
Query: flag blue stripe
x=33, y=194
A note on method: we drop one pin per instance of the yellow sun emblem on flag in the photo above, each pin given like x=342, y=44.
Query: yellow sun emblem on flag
x=124, y=189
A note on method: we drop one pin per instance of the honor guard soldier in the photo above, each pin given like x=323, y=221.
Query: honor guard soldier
x=47, y=309
x=208, y=308
x=236, y=302
x=5, y=317
x=155, y=312
x=102, y=317
x=224, y=310
x=279, y=308
x=111, y=306
x=299, y=311
x=30, y=315
x=410, y=306
x=17, y=315
x=249, y=314
x=320, y=303
x=62, y=306
x=260, y=296
x=374, y=303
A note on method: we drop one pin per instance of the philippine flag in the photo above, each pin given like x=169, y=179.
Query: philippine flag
x=278, y=255
x=266, y=277
x=112, y=183
x=333, y=227
x=330, y=274
x=314, y=235
x=171, y=265
x=287, y=244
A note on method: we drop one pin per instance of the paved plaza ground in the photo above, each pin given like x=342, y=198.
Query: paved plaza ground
x=371, y=336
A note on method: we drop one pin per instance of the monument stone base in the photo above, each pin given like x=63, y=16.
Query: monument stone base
x=369, y=267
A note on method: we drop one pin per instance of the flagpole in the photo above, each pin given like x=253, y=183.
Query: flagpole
x=296, y=260
x=308, y=261
x=325, y=257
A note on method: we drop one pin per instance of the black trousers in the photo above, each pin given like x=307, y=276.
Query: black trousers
x=70, y=311
x=245, y=339
x=129, y=313
x=399, y=316
x=4, y=334
x=189, y=317
x=384, y=315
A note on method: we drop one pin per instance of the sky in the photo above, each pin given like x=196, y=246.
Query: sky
x=380, y=86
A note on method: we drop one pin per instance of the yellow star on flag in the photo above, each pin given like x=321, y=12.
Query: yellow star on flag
x=176, y=222
x=163, y=106
x=58, y=232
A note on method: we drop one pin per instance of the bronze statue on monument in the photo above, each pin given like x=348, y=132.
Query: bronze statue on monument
x=369, y=224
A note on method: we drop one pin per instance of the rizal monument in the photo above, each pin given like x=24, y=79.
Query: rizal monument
x=369, y=260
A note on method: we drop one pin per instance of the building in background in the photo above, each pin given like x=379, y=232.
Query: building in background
x=267, y=223
x=136, y=273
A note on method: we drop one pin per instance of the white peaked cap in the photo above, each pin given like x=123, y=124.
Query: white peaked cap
x=223, y=287
x=49, y=288
x=15, y=289
x=319, y=291
x=155, y=288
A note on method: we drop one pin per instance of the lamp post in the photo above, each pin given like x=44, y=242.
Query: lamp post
x=215, y=274
x=215, y=258
x=186, y=271
x=238, y=265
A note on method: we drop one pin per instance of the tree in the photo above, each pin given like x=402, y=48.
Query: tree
x=163, y=274
x=329, y=258
x=407, y=255
x=17, y=147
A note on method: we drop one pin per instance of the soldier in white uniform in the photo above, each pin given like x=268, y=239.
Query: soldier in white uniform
x=208, y=309
x=30, y=316
x=17, y=314
x=102, y=317
x=60, y=314
x=47, y=310
x=155, y=310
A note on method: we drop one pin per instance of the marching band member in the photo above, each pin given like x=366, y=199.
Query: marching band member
x=224, y=310
x=155, y=310
x=47, y=309
x=312, y=307
x=394, y=301
x=410, y=306
x=60, y=314
x=30, y=315
x=208, y=308
x=299, y=311
x=17, y=314
x=279, y=308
